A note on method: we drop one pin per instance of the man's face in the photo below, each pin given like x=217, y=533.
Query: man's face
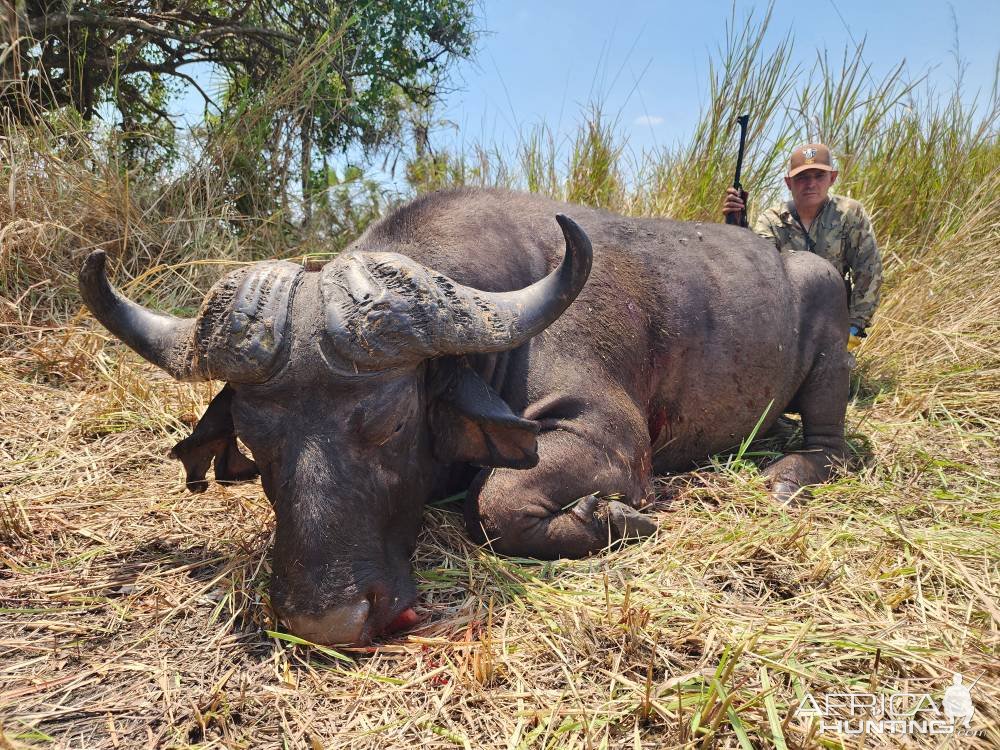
x=810, y=187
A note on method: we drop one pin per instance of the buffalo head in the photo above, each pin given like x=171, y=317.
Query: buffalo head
x=351, y=389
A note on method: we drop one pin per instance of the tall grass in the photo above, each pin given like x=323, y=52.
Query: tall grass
x=230, y=199
x=924, y=164
x=926, y=167
x=687, y=182
x=916, y=160
x=135, y=614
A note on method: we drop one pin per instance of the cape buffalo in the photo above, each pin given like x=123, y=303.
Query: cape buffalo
x=440, y=349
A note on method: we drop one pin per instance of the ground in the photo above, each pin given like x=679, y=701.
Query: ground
x=134, y=614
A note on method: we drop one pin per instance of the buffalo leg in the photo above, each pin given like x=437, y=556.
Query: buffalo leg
x=214, y=439
x=579, y=498
x=822, y=401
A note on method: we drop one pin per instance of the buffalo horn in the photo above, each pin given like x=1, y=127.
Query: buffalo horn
x=385, y=309
x=162, y=339
x=535, y=308
x=240, y=334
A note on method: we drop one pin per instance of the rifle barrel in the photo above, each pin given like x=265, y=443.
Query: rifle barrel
x=742, y=120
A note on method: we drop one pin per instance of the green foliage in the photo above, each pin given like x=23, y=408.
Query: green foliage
x=345, y=204
x=437, y=171
x=594, y=174
x=538, y=162
x=130, y=57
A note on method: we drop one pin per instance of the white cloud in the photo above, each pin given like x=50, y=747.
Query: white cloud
x=648, y=120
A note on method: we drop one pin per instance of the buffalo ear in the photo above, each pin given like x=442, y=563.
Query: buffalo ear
x=214, y=439
x=471, y=423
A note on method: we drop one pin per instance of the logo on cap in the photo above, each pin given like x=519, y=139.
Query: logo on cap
x=810, y=155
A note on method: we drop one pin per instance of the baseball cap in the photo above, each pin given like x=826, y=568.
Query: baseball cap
x=810, y=156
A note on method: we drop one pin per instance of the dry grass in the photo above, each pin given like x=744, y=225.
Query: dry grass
x=133, y=614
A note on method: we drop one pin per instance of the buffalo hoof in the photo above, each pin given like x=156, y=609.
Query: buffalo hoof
x=628, y=522
x=784, y=430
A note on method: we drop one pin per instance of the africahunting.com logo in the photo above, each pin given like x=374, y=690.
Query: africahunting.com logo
x=893, y=713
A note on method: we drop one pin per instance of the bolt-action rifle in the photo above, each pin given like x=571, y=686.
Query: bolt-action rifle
x=739, y=218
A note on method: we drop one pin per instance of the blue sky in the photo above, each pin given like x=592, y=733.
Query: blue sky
x=648, y=61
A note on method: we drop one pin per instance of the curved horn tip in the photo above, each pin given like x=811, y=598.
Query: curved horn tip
x=571, y=230
x=94, y=263
x=565, y=222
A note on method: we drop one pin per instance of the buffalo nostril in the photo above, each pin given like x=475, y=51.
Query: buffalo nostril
x=342, y=625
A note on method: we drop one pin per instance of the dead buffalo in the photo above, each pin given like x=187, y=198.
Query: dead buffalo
x=442, y=348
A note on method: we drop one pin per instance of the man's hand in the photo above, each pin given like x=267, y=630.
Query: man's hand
x=734, y=207
x=734, y=201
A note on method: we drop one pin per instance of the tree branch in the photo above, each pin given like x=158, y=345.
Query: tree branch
x=43, y=24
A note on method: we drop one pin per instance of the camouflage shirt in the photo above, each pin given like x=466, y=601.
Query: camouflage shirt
x=841, y=233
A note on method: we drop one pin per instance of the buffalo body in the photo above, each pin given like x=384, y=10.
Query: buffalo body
x=440, y=351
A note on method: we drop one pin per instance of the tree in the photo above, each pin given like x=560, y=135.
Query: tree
x=135, y=55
